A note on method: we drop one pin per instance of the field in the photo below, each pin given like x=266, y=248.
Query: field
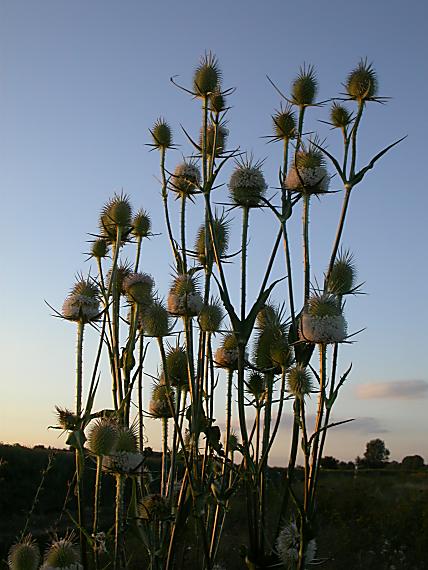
x=376, y=520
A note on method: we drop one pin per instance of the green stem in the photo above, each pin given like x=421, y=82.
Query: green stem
x=140, y=394
x=79, y=367
x=307, y=268
x=97, y=492
x=244, y=239
x=138, y=254
x=183, y=233
x=354, y=139
x=339, y=231
x=164, y=455
x=118, y=524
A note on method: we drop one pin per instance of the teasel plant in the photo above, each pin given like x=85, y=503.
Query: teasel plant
x=258, y=353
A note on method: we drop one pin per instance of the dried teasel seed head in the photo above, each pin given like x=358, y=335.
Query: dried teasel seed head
x=288, y=546
x=304, y=88
x=299, y=381
x=24, y=555
x=186, y=178
x=154, y=507
x=66, y=419
x=62, y=553
x=217, y=101
x=361, y=83
x=102, y=437
x=210, y=317
x=255, y=385
x=141, y=224
x=247, y=184
x=207, y=75
x=99, y=248
x=280, y=352
x=161, y=402
x=117, y=213
x=161, y=134
x=322, y=320
x=233, y=441
x=323, y=306
x=139, y=288
x=184, y=298
x=308, y=173
x=342, y=278
x=121, y=273
x=218, y=134
x=127, y=439
x=340, y=117
x=155, y=320
x=221, y=230
x=226, y=356
x=82, y=303
x=284, y=124
x=177, y=366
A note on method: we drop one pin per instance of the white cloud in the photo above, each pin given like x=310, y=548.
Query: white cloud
x=397, y=389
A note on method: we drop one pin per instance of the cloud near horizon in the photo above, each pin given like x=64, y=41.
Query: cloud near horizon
x=396, y=389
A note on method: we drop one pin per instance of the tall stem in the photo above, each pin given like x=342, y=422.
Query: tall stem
x=307, y=268
x=245, y=220
x=164, y=455
x=79, y=367
x=183, y=233
x=118, y=525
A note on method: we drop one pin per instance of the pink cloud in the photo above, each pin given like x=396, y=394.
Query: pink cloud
x=397, y=389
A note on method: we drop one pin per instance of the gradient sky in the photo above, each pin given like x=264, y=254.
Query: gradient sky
x=82, y=82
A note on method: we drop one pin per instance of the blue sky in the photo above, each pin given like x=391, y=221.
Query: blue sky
x=81, y=83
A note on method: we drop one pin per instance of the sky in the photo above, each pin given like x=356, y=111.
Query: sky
x=82, y=82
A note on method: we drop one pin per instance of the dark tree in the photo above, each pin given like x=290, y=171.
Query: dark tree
x=329, y=462
x=412, y=462
x=376, y=454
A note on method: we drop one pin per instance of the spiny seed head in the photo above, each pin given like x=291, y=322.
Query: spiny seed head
x=154, y=507
x=62, y=554
x=161, y=134
x=221, y=230
x=210, y=317
x=184, y=284
x=256, y=385
x=218, y=133
x=226, y=356
x=82, y=303
x=229, y=341
x=340, y=117
x=66, y=419
x=280, y=352
x=262, y=347
x=24, y=555
x=310, y=158
x=308, y=173
x=217, y=101
x=186, y=178
x=207, y=75
x=323, y=305
x=99, y=248
x=139, y=288
x=117, y=213
x=247, y=184
x=284, y=124
x=341, y=280
x=177, y=365
x=141, y=224
x=102, y=438
x=361, y=83
x=299, y=381
x=304, y=88
x=86, y=288
x=127, y=439
x=233, y=441
x=122, y=272
x=269, y=317
x=155, y=320
x=162, y=397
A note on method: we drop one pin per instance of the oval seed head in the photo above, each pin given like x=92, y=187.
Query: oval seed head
x=154, y=507
x=322, y=321
x=126, y=439
x=141, y=224
x=280, y=352
x=82, y=303
x=284, y=124
x=304, y=88
x=161, y=134
x=361, y=83
x=269, y=318
x=117, y=213
x=155, y=320
x=122, y=272
x=162, y=397
x=323, y=305
x=219, y=134
x=299, y=381
x=177, y=366
x=341, y=280
x=207, y=76
x=62, y=553
x=247, y=184
x=99, y=248
x=221, y=230
x=340, y=117
x=217, y=101
x=184, y=298
x=308, y=173
x=210, y=317
x=288, y=546
x=186, y=179
x=24, y=555
x=262, y=356
x=139, y=288
x=102, y=438
x=256, y=385
x=66, y=419
x=233, y=441
x=226, y=356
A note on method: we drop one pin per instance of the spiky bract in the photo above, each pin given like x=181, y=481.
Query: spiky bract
x=154, y=507
x=162, y=402
x=186, y=178
x=340, y=117
x=361, y=83
x=226, y=356
x=127, y=439
x=66, y=419
x=215, y=133
x=24, y=555
x=102, y=437
x=256, y=385
x=62, y=553
x=141, y=224
x=82, y=304
x=322, y=320
x=139, y=288
x=341, y=280
x=207, y=75
x=304, y=88
x=210, y=317
x=221, y=231
x=121, y=273
x=161, y=134
x=155, y=320
x=323, y=305
x=284, y=124
x=308, y=173
x=299, y=381
x=177, y=366
x=99, y=248
x=247, y=184
x=117, y=213
x=217, y=101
